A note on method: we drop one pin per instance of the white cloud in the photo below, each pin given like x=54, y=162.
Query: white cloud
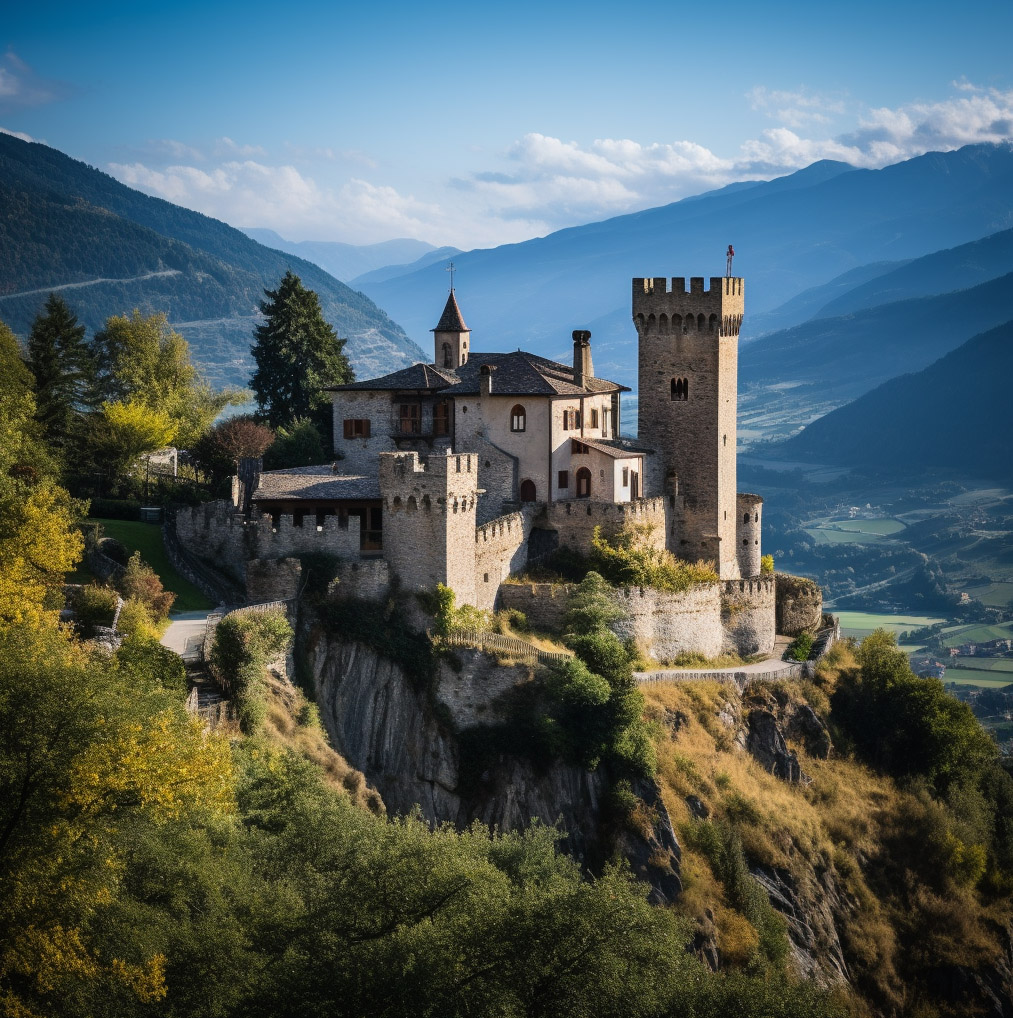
x=227, y=147
x=795, y=109
x=18, y=134
x=250, y=193
x=21, y=88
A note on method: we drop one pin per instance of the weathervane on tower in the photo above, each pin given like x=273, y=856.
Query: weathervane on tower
x=450, y=269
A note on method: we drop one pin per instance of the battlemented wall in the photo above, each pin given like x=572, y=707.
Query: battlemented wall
x=747, y=615
x=575, y=521
x=216, y=533
x=500, y=549
x=664, y=624
x=365, y=579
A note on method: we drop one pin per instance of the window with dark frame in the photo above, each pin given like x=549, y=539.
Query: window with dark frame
x=578, y=448
x=518, y=418
x=563, y=479
x=356, y=427
x=411, y=418
x=626, y=476
x=441, y=418
x=594, y=418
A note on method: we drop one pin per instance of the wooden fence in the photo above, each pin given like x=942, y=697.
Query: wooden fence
x=496, y=643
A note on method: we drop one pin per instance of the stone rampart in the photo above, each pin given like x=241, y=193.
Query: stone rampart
x=500, y=549
x=365, y=579
x=215, y=533
x=664, y=624
x=272, y=579
x=747, y=613
x=575, y=521
x=799, y=604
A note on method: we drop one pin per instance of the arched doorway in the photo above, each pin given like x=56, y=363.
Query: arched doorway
x=527, y=491
x=583, y=483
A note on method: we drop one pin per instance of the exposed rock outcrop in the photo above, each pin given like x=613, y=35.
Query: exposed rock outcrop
x=798, y=604
x=765, y=742
x=400, y=738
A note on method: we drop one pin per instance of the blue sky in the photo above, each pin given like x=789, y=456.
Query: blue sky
x=478, y=124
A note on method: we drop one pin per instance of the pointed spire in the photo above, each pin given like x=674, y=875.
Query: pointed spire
x=451, y=320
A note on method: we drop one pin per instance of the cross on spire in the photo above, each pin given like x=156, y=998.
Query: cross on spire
x=450, y=269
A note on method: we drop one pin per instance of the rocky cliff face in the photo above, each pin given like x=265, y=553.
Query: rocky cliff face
x=406, y=743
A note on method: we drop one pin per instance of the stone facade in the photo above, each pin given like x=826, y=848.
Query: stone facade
x=500, y=549
x=664, y=625
x=215, y=532
x=575, y=521
x=747, y=612
x=749, y=519
x=688, y=378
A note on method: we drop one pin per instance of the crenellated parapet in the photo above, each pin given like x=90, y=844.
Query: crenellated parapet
x=661, y=310
x=575, y=521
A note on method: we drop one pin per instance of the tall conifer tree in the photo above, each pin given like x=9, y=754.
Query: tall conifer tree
x=63, y=367
x=297, y=354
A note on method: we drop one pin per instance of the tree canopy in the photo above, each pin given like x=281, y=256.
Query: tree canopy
x=143, y=361
x=297, y=354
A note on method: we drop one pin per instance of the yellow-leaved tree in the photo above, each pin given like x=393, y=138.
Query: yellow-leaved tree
x=38, y=540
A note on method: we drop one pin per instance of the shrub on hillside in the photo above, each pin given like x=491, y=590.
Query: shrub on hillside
x=244, y=645
x=140, y=582
x=630, y=559
x=93, y=606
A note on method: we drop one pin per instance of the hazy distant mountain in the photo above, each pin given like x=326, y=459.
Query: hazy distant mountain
x=437, y=255
x=849, y=354
x=108, y=249
x=789, y=234
x=344, y=261
x=952, y=415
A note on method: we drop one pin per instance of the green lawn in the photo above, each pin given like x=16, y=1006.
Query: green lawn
x=855, y=531
x=147, y=539
x=862, y=623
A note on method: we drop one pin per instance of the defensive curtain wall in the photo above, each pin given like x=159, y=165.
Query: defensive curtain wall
x=709, y=618
x=575, y=521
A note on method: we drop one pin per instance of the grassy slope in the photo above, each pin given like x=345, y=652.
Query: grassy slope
x=147, y=539
x=851, y=830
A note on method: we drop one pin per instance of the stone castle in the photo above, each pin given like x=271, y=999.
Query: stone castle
x=465, y=470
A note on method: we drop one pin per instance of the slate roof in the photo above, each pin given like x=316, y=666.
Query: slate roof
x=451, y=319
x=418, y=376
x=617, y=448
x=517, y=374
x=316, y=482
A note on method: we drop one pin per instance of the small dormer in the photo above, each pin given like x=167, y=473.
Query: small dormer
x=451, y=337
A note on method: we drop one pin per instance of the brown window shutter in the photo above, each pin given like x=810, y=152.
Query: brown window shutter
x=348, y=427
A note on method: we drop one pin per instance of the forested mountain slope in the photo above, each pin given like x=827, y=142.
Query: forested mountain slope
x=850, y=354
x=789, y=234
x=955, y=413
x=64, y=223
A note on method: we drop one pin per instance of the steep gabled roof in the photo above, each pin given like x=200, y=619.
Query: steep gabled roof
x=416, y=377
x=451, y=319
x=526, y=374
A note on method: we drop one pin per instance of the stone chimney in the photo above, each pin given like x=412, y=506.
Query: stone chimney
x=583, y=369
x=485, y=378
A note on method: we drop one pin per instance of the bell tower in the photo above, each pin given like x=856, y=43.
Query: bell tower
x=451, y=337
x=688, y=380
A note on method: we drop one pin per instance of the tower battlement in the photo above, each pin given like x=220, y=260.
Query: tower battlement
x=660, y=308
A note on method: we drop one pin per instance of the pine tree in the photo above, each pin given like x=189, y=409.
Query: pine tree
x=64, y=370
x=297, y=354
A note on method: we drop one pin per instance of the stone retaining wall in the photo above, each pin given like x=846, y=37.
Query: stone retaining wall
x=747, y=610
x=575, y=521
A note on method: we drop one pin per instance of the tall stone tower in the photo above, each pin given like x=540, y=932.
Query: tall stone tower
x=688, y=379
x=429, y=519
x=451, y=337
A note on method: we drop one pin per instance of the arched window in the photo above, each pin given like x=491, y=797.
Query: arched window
x=583, y=483
x=448, y=360
x=680, y=389
x=528, y=490
x=518, y=418
x=745, y=517
x=413, y=506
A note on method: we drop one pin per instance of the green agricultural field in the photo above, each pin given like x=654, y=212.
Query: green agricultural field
x=821, y=535
x=147, y=539
x=966, y=677
x=860, y=624
x=955, y=636
x=985, y=664
x=997, y=595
